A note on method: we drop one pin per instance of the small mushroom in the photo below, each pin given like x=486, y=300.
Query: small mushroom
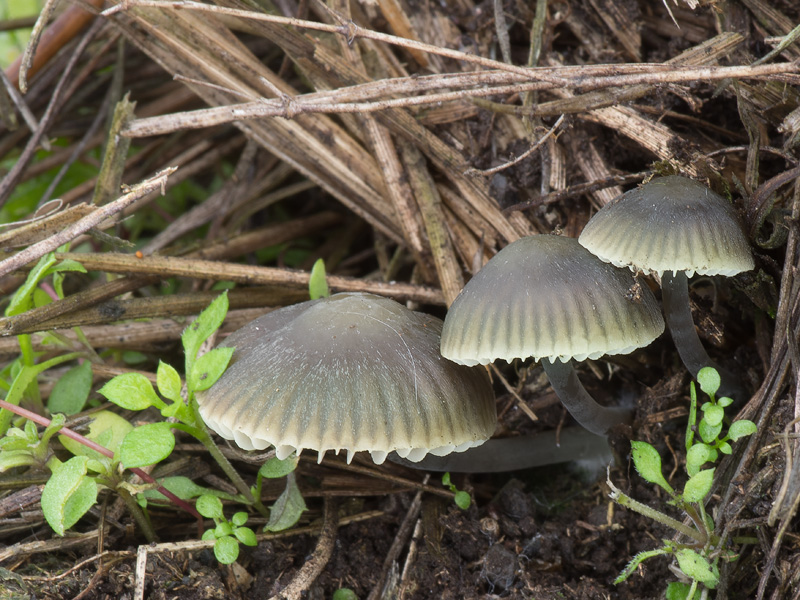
x=674, y=227
x=352, y=372
x=547, y=297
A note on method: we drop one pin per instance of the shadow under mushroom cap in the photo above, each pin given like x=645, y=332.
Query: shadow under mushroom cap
x=545, y=296
x=354, y=372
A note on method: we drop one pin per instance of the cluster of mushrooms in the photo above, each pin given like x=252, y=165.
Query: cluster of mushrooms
x=357, y=372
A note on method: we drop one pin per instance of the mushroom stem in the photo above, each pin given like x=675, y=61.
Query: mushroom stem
x=678, y=314
x=597, y=419
x=517, y=453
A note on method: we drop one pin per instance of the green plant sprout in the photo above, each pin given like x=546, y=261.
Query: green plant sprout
x=226, y=534
x=113, y=444
x=461, y=498
x=698, y=558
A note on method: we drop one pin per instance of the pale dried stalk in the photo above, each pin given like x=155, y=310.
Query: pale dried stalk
x=203, y=49
x=333, y=103
x=248, y=274
x=35, y=252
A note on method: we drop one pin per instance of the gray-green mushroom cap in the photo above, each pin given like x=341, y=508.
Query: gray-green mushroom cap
x=545, y=296
x=353, y=372
x=670, y=224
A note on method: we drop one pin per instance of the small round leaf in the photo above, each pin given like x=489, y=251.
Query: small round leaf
x=226, y=549
x=209, y=506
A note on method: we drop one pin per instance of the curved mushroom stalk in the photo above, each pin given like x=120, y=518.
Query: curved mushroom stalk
x=517, y=453
x=678, y=314
x=597, y=419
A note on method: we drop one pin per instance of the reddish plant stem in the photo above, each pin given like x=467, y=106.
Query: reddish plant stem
x=44, y=421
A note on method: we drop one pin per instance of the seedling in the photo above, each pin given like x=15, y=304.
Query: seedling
x=462, y=498
x=698, y=557
x=226, y=534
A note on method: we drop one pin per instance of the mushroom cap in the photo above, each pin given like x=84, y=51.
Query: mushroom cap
x=670, y=224
x=545, y=296
x=352, y=371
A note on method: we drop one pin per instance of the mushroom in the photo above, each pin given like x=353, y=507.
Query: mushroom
x=674, y=227
x=353, y=372
x=547, y=297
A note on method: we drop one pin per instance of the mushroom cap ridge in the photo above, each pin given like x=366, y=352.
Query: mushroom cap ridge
x=352, y=371
x=670, y=224
x=545, y=296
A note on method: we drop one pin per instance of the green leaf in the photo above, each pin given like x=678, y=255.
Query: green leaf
x=317, y=283
x=636, y=561
x=712, y=413
x=206, y=323
x=698, y=486
x=697, y=456
x=68, y=494
x=741, y=428
x=462, y=500
x=168, y=382
x=709, y=380
x=246, y=536
x=344, y=594
x=697, y=567
x=677, y=590
x=275, y=468
x=107, y=429
x=209, y=368
x=724, y=402
x=446, y=479
x=222, y=529
x=708, y=432
x=239, y=518
x=132, y=391
x=147, y=445
x=71, y=391
x=10, y=459
x=725, y=448
x=22, y=299
x=226, y=549
x=648, y=463
x=209, y=506
x=184, y=488
x=287, y=508
x=208, y=534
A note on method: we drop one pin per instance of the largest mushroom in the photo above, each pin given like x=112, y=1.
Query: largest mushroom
x=675, y=227
x=353, y=372
x=548, y=298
